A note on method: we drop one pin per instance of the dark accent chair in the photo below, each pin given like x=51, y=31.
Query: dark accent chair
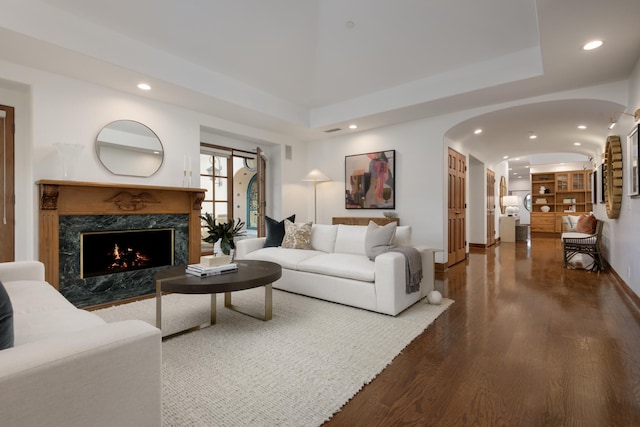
x=589, y=245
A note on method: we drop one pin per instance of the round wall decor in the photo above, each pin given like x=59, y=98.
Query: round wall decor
x=613, y=176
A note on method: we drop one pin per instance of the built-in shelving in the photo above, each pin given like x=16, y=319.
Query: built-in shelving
x=556, y=194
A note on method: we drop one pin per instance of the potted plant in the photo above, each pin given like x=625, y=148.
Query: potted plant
x=225, y=232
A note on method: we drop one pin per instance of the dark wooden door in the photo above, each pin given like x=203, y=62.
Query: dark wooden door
x=7, y=201
x=457, y=171
x=491, y=207
x=262, y=204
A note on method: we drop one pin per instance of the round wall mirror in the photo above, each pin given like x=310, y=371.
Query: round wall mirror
x=127, y=147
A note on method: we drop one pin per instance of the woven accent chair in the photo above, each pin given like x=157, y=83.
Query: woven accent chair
x=579, y=243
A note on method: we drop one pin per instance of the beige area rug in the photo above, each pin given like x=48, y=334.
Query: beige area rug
x=295, y=370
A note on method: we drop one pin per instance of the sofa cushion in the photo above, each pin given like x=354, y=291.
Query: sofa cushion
x=287, y=258
x=297, y=236
x=36, y=326
x=349, y=266
x=402, y=236
x=30, y=296
x=323, y=237
x=6, y=319
x=350, y=239
x=377, y=239
x=587, y=224
x=275, y=231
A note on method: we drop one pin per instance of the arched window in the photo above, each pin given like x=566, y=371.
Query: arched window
x=252, y=203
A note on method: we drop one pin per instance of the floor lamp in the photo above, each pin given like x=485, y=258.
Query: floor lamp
x=316, y=176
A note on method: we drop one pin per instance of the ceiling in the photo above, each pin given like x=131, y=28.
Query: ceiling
x=301, y=68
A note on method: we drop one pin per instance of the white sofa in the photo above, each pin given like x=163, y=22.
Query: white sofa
x=338, y=270
x=68, y=367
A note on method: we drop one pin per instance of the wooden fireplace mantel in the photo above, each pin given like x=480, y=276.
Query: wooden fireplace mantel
x=59, y=198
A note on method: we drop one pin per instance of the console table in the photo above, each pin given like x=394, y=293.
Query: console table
x=508, y=228
x=358, y=220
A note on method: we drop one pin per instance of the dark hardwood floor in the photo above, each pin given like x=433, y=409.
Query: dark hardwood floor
x=527, y=343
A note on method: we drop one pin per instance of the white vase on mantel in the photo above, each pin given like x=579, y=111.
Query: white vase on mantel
x=68, y=154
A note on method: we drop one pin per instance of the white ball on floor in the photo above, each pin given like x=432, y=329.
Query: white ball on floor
x=434, y=297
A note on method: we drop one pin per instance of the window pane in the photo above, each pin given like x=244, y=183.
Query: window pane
x=221, y=189
x=221, y=212
x=207, y=207
x=206, y=182
x=220, y=166
x=206, y=162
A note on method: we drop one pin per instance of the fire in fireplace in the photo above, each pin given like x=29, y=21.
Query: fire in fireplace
x=106, y=252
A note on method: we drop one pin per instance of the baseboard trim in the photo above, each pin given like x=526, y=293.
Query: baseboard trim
x=624, y=287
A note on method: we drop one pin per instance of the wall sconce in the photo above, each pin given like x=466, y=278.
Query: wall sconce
x=613, y=121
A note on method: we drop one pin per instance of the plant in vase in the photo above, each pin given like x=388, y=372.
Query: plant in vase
x=224, y=231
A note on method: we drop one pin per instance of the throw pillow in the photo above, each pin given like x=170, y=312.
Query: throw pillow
x=275, y=231
x=587, y=224
x=297, y=236
x=6, y=319
x=378, y=239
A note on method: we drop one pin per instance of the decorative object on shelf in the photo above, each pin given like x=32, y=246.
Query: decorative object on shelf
x=545, y=208
x=187, y=172
x=127, y=147
x=225, y=232
x=316, y=176
x=370, y=180
x=613, y=176
x=542, y=190
x=69, y=157
x=511, y=205
x=632, y=161
x=541, y=201
x=389, y=214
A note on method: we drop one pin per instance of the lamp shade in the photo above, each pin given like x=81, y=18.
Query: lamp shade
x=316, y=176
x=510, y=200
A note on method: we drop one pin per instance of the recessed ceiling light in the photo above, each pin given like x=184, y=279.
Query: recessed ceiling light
x=477, y=131
x=526, y=167
x=533, y=136
x=594, y=44
x=517, y=159
x=582, y=127
x=144, y=86
x=350, y=25
x=515, y=173
x=353, y=126
x=577, y=143
x=505, y=157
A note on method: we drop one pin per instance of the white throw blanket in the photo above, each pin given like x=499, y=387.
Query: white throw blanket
x=414, y=267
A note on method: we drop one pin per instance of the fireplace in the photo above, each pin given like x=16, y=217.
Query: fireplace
x=72, y=211
x=107, y=252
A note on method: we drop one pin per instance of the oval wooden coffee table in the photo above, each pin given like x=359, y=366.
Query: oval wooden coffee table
x=250, y=274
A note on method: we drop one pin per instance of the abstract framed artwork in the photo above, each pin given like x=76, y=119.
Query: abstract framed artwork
x=370, y=180
x=602, y=182
x=632, y=156
x=594, y=187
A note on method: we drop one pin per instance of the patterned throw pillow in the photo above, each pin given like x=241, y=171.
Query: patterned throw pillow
x=296, y=236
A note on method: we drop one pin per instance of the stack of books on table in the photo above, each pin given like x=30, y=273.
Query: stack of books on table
x=204, y=270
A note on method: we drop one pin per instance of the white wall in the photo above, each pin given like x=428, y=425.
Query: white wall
x=622, y=235
x=53, y=109
x=420, y=162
